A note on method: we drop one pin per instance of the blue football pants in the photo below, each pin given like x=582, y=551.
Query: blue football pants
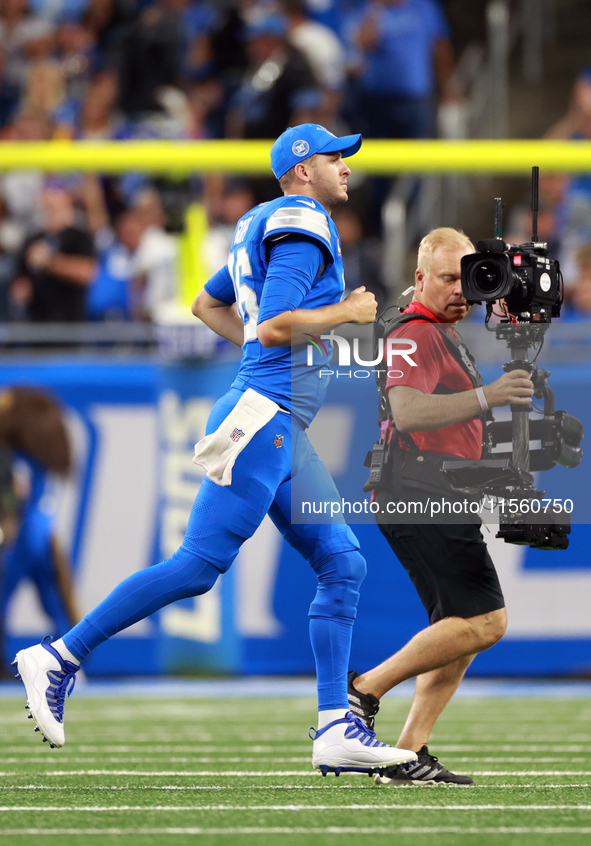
x=222, y=518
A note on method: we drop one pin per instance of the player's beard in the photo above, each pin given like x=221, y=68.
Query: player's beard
x=338, y=201
x=329, y=195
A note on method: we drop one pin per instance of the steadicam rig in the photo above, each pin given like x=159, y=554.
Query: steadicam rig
x=526, y=286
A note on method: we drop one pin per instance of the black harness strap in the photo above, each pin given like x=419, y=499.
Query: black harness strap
x=387, y=453
x=455, y=345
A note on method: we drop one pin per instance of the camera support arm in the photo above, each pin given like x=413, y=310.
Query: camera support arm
x=519, y=413
x=519, y=337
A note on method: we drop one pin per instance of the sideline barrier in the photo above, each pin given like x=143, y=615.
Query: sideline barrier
x=128, y=489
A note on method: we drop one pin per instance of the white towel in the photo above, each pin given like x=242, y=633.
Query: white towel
x=218, y=452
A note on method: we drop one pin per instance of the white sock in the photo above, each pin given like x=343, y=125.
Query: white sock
x=63, y=650
x=326, y=717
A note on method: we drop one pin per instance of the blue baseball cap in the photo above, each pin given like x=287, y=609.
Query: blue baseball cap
x=300, y=142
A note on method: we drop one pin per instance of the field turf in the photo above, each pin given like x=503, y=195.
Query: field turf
x=164, y=771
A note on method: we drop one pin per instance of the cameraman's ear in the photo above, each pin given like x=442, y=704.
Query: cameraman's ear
x=419, y=279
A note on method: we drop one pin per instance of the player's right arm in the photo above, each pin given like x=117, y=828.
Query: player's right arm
x=215, y=306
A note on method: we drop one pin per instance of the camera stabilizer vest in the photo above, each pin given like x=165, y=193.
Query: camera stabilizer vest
x=386, y=458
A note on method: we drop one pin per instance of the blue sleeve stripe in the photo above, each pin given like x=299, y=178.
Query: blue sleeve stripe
x=299, y=219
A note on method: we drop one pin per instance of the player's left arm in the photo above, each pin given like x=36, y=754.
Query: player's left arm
x=293, y=267
x=291, y=327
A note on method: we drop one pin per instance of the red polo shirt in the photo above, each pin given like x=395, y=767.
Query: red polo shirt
x=434, y=365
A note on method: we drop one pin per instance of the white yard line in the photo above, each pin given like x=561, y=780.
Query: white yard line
x=291, y=807
x=273, y=773
x=126, y=759
x=301, y=747
x=323, y=786
x=178, y=773
x=394, y=830
x=482, y=773
x=475, y=753
x=506, y=747
x=211, y=759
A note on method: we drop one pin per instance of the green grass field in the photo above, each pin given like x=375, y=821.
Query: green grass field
x=155, y=770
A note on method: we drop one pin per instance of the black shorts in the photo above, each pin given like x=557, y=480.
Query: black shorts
x=449, y=566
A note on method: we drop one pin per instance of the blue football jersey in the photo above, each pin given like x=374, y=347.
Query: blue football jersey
x=288, y=379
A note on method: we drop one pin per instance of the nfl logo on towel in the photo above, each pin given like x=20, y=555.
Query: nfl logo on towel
x=236, y=435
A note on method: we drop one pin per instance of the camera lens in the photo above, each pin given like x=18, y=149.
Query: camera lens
x=488, y=277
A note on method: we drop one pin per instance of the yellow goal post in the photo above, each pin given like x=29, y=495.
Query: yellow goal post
x=180, y=158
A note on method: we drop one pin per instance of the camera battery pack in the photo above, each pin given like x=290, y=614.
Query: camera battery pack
x=376, y=461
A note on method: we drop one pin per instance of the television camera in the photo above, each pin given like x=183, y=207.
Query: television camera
x=526, y=285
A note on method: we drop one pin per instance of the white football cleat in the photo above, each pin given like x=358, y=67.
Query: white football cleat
x=347, y=745
x=47, y=678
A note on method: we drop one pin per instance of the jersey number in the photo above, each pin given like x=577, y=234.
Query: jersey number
x=246, y=298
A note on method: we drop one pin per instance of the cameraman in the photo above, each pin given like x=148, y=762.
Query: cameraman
x=437, y=407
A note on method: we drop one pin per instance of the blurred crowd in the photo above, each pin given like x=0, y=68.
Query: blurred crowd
x=81, y=248
x=110, y=248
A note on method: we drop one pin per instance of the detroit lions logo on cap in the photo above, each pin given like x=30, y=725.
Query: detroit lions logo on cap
x=300, y=148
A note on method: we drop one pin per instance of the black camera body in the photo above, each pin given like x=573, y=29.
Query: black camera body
x=529, y=283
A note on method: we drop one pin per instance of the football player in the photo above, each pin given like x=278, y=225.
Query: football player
x=284, y=274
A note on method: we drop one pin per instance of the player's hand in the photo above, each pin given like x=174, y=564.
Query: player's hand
x=513, y=388
x=363, y=305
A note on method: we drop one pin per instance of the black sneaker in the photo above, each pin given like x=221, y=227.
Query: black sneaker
x=426, y=770
x=364, y=705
